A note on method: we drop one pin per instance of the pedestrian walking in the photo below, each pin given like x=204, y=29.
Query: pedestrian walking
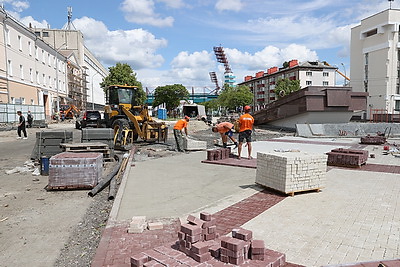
x=246, y=122
x=30, y=119
x=179, y=138
x=225, y=130
x=21, y=126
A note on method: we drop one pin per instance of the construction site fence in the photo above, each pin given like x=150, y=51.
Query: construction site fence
x=8, y=112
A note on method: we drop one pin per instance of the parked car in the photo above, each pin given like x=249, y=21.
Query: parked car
x=90, y=118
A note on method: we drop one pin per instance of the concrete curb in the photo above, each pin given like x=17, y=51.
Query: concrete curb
x=112, y=218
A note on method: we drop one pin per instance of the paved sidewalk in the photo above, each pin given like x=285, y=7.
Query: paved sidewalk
x=355, y=218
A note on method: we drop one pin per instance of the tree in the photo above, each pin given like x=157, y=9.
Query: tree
x=286, y=86
x=233, y=97
x=122, y=74
x=170, y=95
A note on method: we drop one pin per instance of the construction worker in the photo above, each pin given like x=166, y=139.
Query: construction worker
x=178, y=127
x=21, y=125
x=225, y=130
x=246, y=122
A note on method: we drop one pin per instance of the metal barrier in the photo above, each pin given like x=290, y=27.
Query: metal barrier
x=8, y=112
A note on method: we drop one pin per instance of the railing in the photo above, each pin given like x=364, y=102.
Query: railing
x=8, y=112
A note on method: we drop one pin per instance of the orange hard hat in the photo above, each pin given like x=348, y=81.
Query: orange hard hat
x=187, y=118
x=247, y=107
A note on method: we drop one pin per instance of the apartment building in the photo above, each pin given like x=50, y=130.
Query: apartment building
x=308, y=73
x=375, y=62
x=32, y=73
x=84, y=82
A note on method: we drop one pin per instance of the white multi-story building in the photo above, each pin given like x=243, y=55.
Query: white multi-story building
x=93, y=71
x=308, y=73
x=31, y=71
x=375, y=61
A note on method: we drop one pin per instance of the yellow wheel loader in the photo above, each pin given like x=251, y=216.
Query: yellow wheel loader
x=130, y=121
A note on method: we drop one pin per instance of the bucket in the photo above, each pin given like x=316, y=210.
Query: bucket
x=44, y=166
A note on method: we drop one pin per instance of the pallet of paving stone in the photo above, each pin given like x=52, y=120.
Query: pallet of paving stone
x=48, y=143
x=89, y=147
x=373, y=140
x=347, y=157
x=74, y=171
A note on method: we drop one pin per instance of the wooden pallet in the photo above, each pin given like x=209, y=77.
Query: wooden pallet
x=89, y=147
x=293, y=192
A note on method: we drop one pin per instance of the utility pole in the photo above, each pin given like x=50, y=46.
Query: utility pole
x=390, y=3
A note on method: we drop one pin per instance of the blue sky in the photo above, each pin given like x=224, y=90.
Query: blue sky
x=171, y=41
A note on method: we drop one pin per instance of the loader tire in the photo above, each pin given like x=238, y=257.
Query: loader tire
x=119, y=125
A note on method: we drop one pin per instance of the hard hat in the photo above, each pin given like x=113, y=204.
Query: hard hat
x=247, y=107
x=187, y=118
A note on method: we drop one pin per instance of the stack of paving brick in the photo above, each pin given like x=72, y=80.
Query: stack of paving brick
x=69, y=170
x=95, y=135
x=347, y=157
x=218, y=154
x=235, y=249
x=291, y=172
x=373, y=140
x=48, y=143
x=194, y=235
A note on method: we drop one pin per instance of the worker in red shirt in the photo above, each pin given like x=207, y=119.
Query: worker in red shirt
x=178, y=127
x=225, y=130
x=246, y=122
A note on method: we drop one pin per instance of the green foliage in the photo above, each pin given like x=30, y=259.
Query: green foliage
x=212, y=104
x=286, y=86
x=122, y=74
x=285, y=65
x=170, y=95
x=232, y=97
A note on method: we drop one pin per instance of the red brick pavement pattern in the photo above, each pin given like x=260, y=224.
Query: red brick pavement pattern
x=245, y=210
x=232, y=161
x=384, y=263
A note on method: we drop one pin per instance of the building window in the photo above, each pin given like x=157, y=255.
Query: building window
x=36, y=53
x=308, y=82
x=325, y=74
x=32, y=101
x=37, y=34
x=308, y=73
x=49, y=59
x=370, y=33
x=21, y=71
x=8, y=40
x=31, y=74
x=44, y=79
x=12, y=100
x=43, y=57
x=45, y=34
x=23, y=100
x=20, y=42
x=37, y=78
x=49, y=81
x=9, y=66
x=324, y=83
x=30, y=48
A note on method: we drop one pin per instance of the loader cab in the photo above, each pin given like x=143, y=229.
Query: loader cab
x=121, y=95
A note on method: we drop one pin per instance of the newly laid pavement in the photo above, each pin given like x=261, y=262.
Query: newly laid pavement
x=355, y=218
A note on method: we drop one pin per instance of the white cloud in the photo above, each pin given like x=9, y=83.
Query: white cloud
x=192, y=68
x=143, y=12
x=230, y=5
x=17, y=6
x=136, y=47
x=268, y=57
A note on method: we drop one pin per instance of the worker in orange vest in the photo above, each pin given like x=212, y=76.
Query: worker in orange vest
x=246, y=122
x=179, y=138
x=225, y=130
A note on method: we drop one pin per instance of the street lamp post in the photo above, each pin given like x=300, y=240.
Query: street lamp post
x=93, y=90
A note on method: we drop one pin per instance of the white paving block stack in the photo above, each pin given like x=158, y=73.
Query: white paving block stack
x=291, y=172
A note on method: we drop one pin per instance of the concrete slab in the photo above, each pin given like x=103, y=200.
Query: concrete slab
x=176, y=186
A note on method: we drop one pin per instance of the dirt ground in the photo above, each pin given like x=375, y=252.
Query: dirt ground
x=62, y=228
